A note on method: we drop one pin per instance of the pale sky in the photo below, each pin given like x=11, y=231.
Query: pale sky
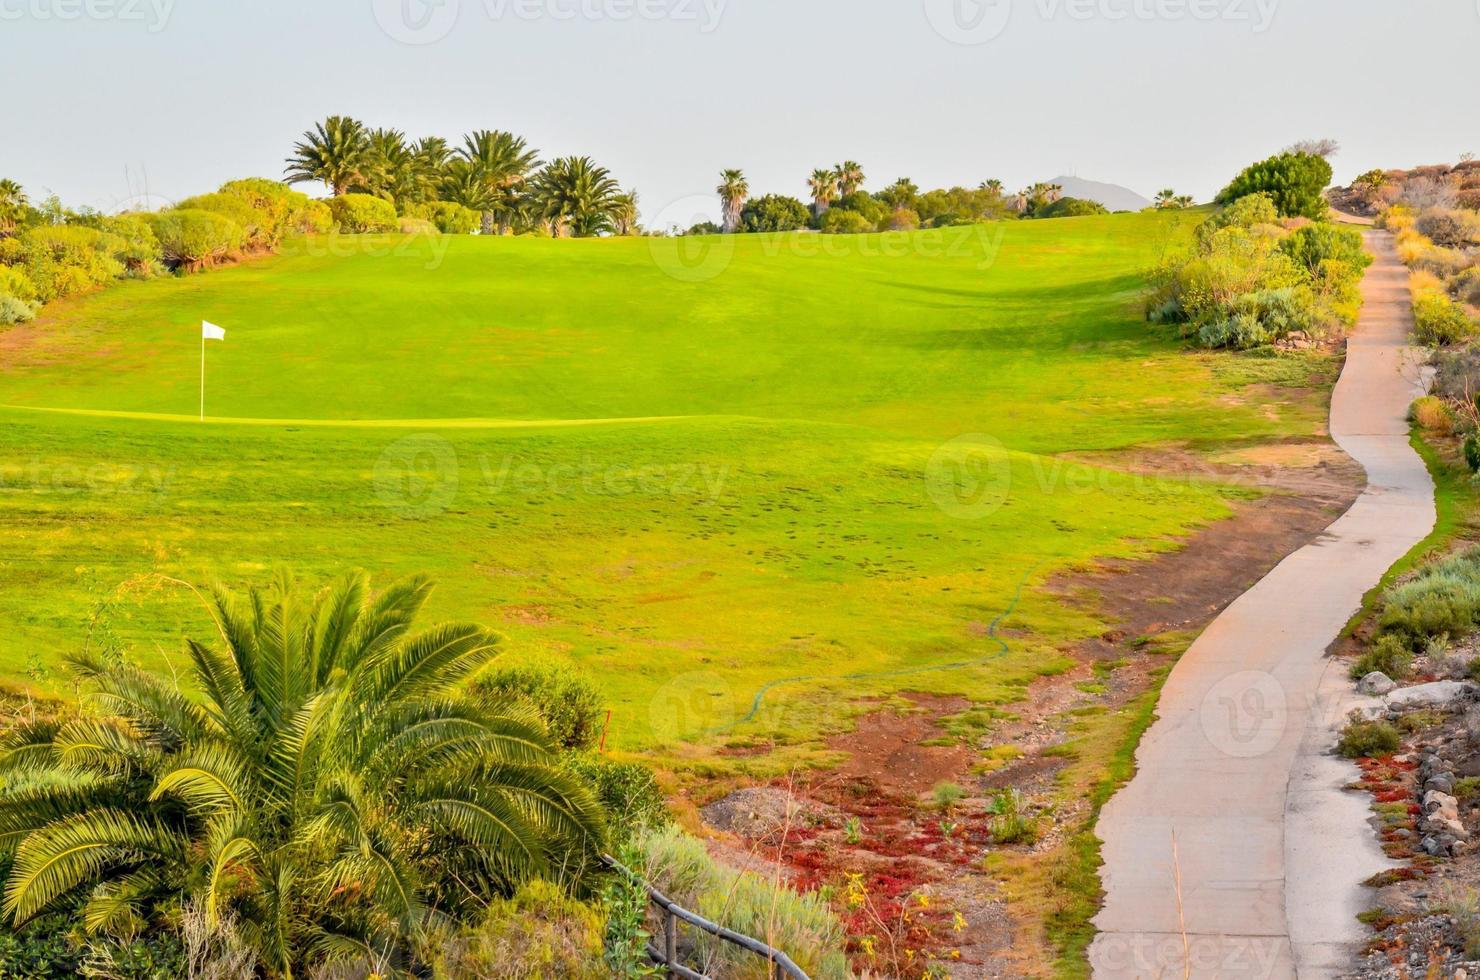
x=666, y=93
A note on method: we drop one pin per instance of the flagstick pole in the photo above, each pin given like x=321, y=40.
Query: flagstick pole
x=202, y=375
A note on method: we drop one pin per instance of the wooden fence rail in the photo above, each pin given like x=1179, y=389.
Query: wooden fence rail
x=670, y=913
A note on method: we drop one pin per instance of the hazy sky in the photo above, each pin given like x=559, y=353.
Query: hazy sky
x=1147, y=93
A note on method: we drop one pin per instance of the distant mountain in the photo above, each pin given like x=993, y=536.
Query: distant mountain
x=1113, y=196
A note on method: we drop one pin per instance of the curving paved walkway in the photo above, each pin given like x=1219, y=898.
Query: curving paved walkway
x=1233, y=852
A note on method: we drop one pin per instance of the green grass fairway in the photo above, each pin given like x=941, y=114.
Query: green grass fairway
x=692, y=489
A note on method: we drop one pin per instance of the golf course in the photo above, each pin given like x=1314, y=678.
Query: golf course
x=747, y=489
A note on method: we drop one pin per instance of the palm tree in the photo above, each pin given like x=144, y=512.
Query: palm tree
x=624, y=213
x=824, y=187
x=330, y=789
x=732, y=191
x=1165, y=197
x=900, y=194
x=13, y=205
x=429, y=158
x=576, y=194
x=462, y=184
x=390, y=172
x=336, y=151
x=993, y=185
x=850, y=177
x=503, y=161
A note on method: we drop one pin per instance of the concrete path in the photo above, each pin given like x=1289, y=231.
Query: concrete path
x=1234, y=852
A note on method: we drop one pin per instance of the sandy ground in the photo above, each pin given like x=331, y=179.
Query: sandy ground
x=1233, y=852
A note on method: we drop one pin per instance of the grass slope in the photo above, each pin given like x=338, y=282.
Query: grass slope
x=763, y=483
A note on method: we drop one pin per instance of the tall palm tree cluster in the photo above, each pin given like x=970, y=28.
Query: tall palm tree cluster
x=13, y=204
x=1168, y=199
x=331, y=793
x=492, y=172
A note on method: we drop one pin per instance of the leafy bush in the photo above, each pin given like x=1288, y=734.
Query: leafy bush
x=800, y=923
x=1246, y=212
x=280, y=210
x=256, y=226
x=136, y=245
x=1432, y=414
x=192, y=239
x=1011, y=822
x=13, y=310
x=1263, y=316
x=1388, y=655
x=839, y=222
x=873, y=210
x=1442, y=599
x=1438, y=322
x=627, y=791
x=1465, y=286
x=1295, y=183
x=904, y=219
x=539, y=932
x=359, y=214
x=774, y=212
x=317, y=219
x=415, y=226
x=1449, y=227
x=1365, y=739
x=571, y=707
x=1071, y=207
x=64, y=260
x=1472, y=452
x=1314, y=244
x=449, y=218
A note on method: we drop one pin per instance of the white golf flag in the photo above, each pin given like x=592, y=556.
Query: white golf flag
x=209, y=331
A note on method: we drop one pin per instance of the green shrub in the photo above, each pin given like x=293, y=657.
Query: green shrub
x=1071, y=207
x=13, y=310
x=774, y=212
x=416, y=226
x=1388, y=655
x=48, y=947
x=317, y=219
x=136, y=245
x=862, y=202
x=256, y=226
x=280, y=210
x=571, y=707
x=64, y=260
x=1246, y=212
x=1295, y=182
x=1317, y=243
x=839, y=222
x=904, y=219
x=1264, y=316
x=193, y=239
x=628, y=792
x=1011, y=822
x=15, y=283
x=946, y=795
x=1365, y=739
x=359, y=214
x=449, y=218
x=540, y=932
x=1438, y=322
x=1472, y=452
x=802, y=924
x=1442, y=599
